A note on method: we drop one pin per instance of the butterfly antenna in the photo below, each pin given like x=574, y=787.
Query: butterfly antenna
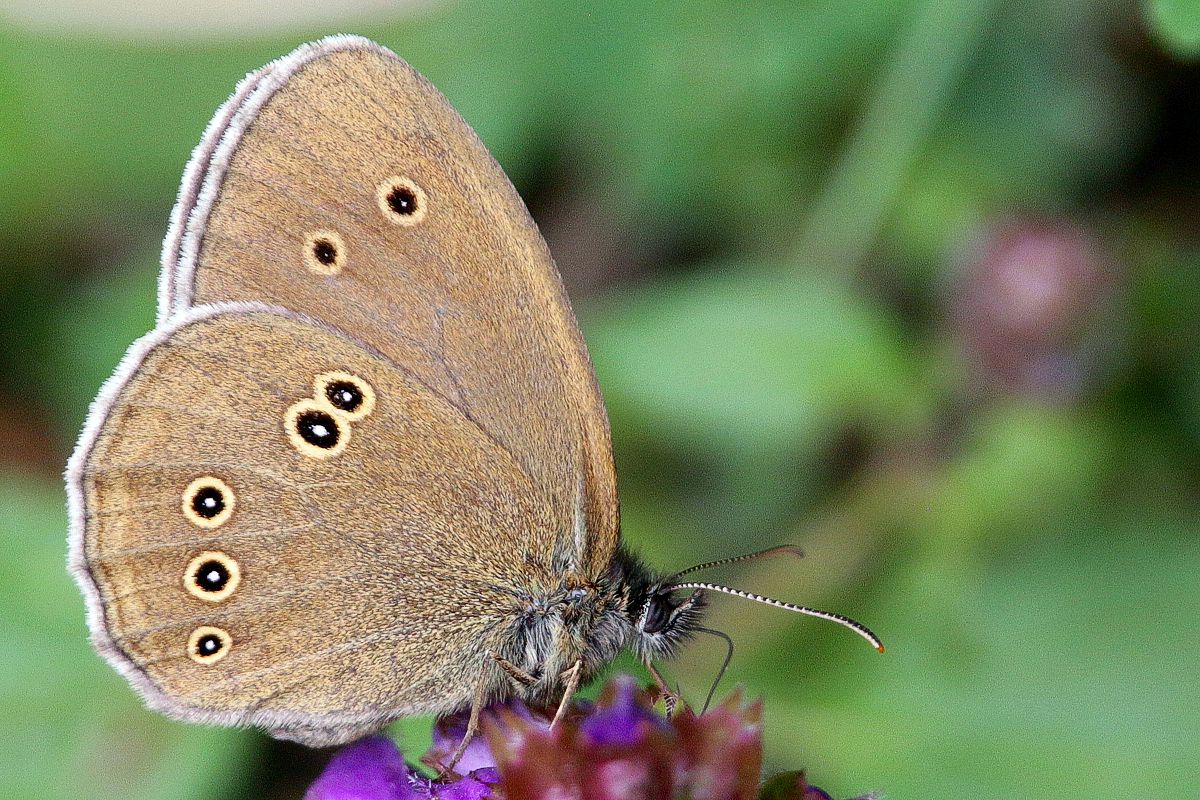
x=781, y=550
x=854, y=625
x=724, y=665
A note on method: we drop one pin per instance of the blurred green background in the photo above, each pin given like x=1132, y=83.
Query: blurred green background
x=914, y=284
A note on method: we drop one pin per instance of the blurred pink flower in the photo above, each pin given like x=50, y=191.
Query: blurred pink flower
x=1033, y=307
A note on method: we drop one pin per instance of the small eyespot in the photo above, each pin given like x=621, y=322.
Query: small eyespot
x=314, y=429
x=349, y=395
x=325, y=253
x=208, y=645
x=208, y=502
x=212, y=576
x=401, y=200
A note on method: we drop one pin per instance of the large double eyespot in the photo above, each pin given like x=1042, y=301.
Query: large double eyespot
x=350, y=395
x=314, y=429
x=319, y=426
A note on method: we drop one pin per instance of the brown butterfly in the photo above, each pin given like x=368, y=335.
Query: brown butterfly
x=361, y=467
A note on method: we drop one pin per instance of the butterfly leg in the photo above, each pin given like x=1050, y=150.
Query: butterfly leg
x=572, y=676
x=472, y=722
x=670, y=698
x=516, y=673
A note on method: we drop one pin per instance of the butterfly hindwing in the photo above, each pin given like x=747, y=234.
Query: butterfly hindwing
x=192, y=476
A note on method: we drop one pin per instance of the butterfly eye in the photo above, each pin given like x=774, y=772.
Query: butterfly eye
x=314, y=429
x=208, y=502
x=212, y=576
x=325, y=253
x=208, y=645
x=401, y=201
x=351, y=396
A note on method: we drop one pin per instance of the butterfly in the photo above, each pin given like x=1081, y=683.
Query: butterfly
x=361, y=468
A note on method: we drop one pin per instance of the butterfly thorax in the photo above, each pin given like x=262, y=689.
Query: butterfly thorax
x=591, y=621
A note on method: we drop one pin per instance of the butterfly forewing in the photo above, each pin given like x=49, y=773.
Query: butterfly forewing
x=346, y=187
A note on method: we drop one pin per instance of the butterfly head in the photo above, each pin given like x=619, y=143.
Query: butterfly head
x=666, y=620
x=667, y=611
x=659, y=617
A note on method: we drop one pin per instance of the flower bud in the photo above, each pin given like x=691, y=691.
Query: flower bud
x=1032, y=309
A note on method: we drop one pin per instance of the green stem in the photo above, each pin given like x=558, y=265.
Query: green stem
x=908, y=99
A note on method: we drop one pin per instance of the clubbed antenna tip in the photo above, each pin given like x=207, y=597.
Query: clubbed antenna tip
x=854, y=625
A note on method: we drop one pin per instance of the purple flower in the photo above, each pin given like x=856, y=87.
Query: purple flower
x=621, y=748
x=373, y=769
x=369, y=769
x=624, y=716
x=722, y=749
x=448, y=733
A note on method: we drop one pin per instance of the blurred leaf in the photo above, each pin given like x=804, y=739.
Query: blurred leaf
x=1018, y=465
x=709, y=117
x=907, y=101
x=743, y=362
x=106, y=126
x=1060, y=668
x=1177, y=24
x=1033, y=124
x=91, y=330
x=1166, y=297
x=75, y=728
x=744, y=379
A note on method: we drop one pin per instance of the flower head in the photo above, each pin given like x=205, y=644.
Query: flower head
x=620, y=748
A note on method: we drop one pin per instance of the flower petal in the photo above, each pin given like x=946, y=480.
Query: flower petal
x=721, y=750
x=466, y=788
x=623, y=716
x=369, y=769
x=448, y=733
